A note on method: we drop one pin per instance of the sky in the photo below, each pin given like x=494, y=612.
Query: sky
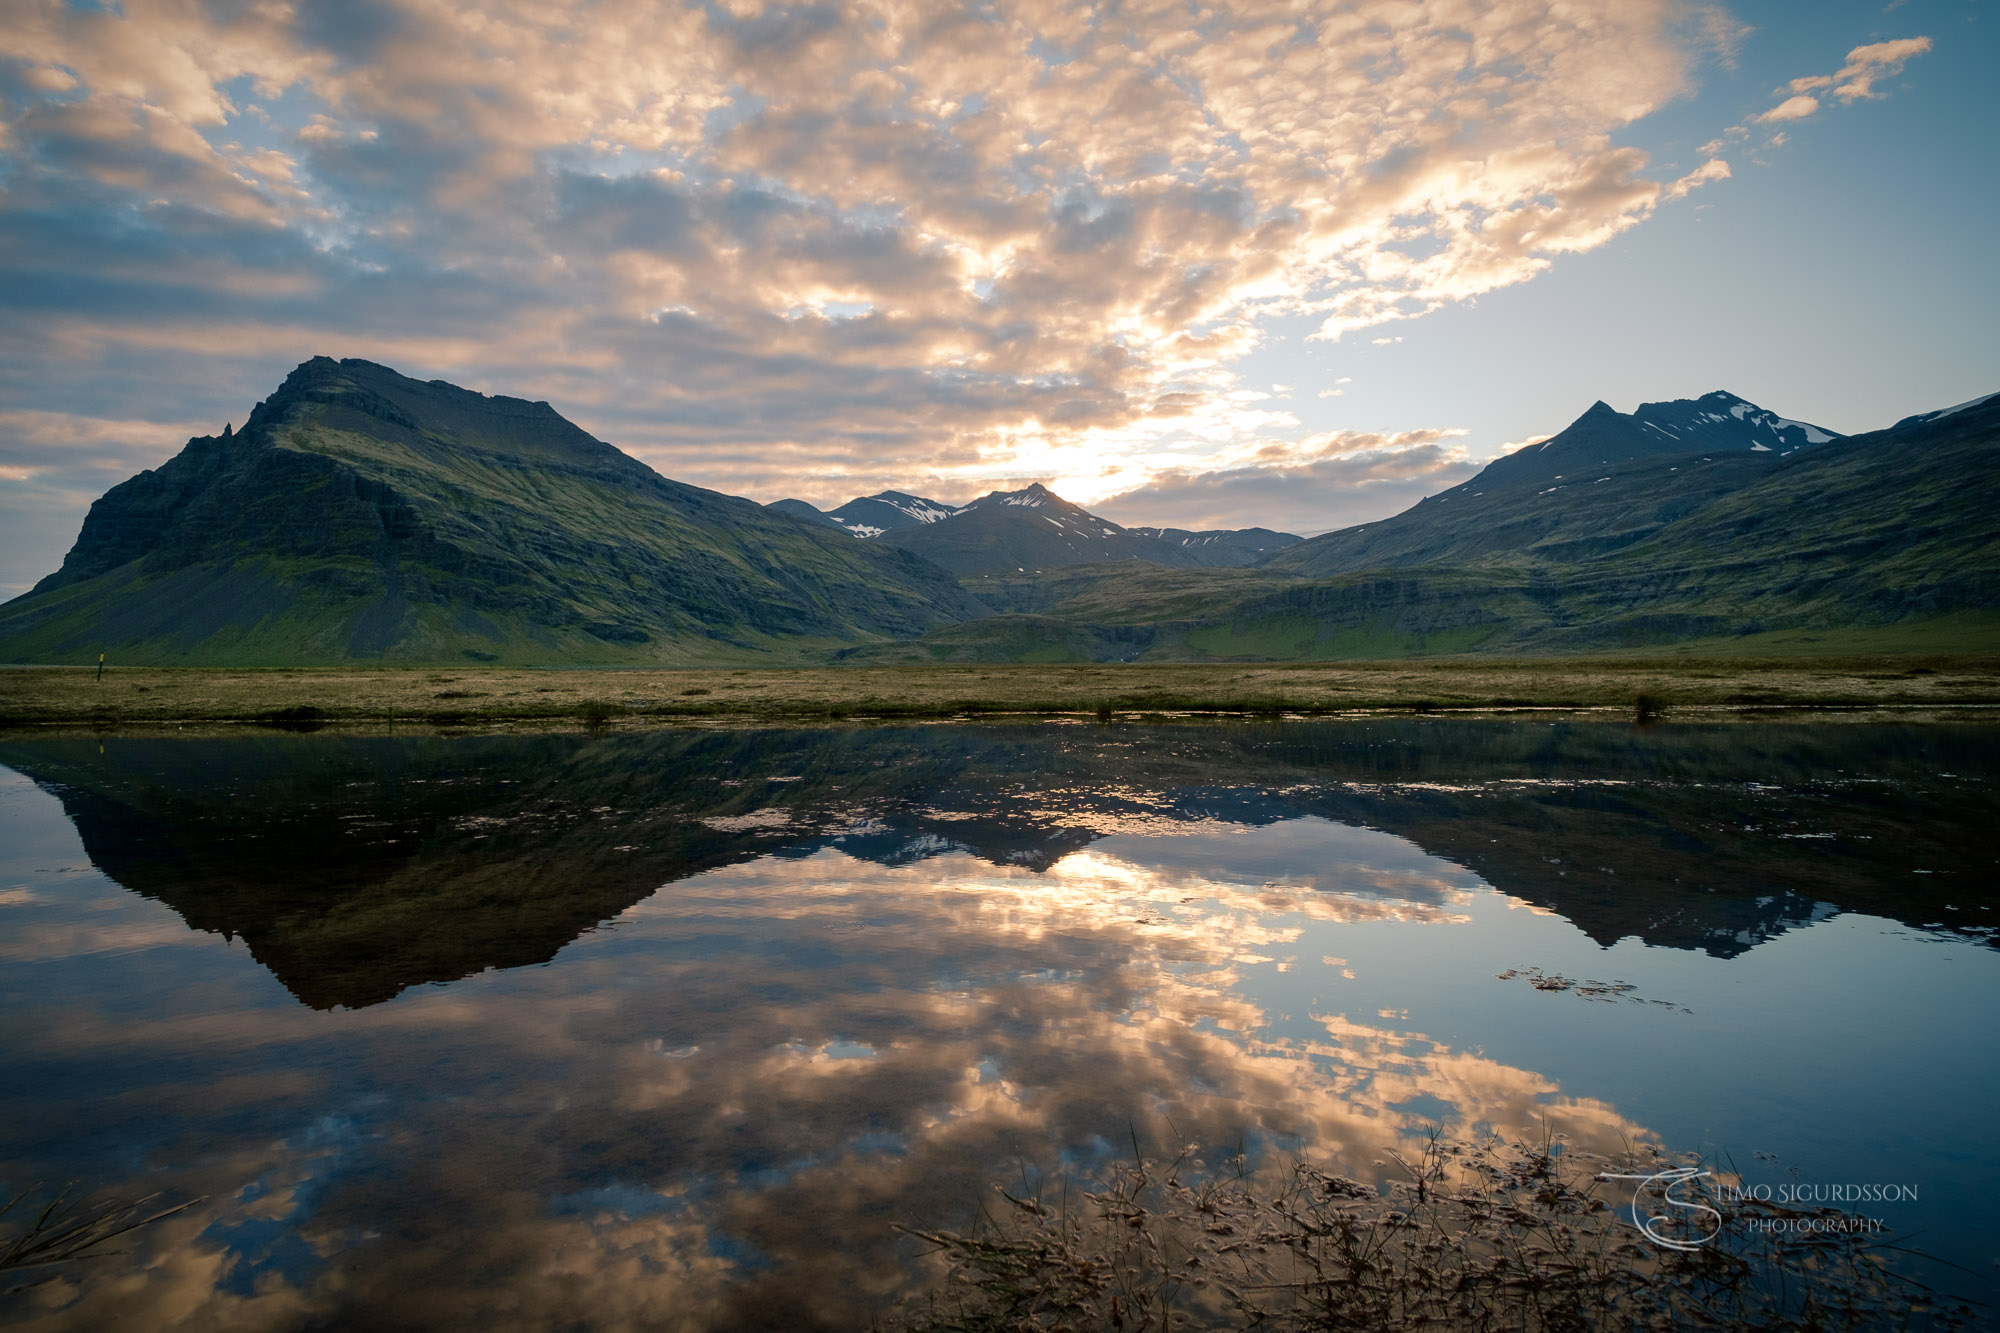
x=1198, y=264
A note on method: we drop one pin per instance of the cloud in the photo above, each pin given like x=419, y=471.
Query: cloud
x=799, y=249
x=1792, y=108
x=1852, y=82
x=1715, y=169
x=1321, y=482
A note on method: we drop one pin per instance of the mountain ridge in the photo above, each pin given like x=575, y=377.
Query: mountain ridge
x=364, y=515
x=1885, y=528
x=361, y=515
x=989, y=552
x=1719, y=441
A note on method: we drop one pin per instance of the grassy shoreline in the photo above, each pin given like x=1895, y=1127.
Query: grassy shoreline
x=1642, y=687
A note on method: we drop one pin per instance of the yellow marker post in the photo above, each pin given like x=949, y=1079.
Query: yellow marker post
x=100, y=668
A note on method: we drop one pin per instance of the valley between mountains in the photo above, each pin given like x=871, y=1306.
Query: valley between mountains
x=360, y=517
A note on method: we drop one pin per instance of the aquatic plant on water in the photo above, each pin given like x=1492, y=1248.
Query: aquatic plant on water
x=1482, y=1234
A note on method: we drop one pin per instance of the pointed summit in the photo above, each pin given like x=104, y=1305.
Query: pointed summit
x=1021, y=532
x=1603, y=482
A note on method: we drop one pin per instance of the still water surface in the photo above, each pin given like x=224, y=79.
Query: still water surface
x=665, y=1029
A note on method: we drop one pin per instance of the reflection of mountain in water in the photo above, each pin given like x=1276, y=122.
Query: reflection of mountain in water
x=355, y=867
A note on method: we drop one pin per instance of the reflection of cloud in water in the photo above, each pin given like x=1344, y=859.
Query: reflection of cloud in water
x=709, y=1114
x=1310, y=854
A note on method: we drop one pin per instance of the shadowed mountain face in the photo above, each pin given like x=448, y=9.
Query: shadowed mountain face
x=1606, y=481
x=360, y=515
x=356, y=867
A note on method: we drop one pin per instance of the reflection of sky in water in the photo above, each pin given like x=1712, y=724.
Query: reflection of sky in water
x=709, y=1111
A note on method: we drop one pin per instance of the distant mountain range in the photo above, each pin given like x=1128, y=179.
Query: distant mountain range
x=1032, y=531
x=1604, y=536
x=364, y=516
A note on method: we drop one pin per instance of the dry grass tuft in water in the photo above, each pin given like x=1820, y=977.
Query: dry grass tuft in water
x=61, y=1232
x=1483, y=1235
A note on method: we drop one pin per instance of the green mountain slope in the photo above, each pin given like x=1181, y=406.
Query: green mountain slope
x=1891, y=529
x=364, y=516
x=1892, y=526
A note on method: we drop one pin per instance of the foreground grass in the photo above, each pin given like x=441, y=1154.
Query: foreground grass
x=1648, y=686
x=1482, y=1234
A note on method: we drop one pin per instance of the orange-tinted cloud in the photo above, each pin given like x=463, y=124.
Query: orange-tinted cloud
x=805, y=248
x=1852, y=82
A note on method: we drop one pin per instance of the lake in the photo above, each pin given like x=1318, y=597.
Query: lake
x=666, y=1028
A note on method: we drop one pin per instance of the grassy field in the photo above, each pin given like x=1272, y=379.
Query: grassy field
x=1646, y=687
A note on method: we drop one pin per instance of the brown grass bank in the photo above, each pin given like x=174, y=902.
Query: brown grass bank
x=1647, y=688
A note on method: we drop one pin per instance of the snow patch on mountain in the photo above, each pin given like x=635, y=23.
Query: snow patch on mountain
x=924, y=511
x=1943, y=412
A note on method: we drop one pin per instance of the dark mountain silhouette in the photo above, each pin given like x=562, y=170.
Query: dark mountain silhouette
x=1604, y=482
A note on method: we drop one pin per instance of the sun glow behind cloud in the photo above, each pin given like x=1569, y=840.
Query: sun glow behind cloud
x=820, y=248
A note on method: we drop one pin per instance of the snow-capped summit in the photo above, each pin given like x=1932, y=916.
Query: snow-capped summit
x=1716, y=422
x=873, y=515
x=1035, y=496
x=1721, y=420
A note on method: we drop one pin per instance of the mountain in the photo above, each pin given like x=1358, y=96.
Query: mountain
x=870, y=515
x=1892, y=526
x=1890, y=534
x=1606, y=481
x=361, y=515
x=1721, y=420
x=1022, y=532
x=887, y=511
x=800, y=509
x=1714, y=422
x=1218, y=547
x=1003, y=540
x=1924, y=418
